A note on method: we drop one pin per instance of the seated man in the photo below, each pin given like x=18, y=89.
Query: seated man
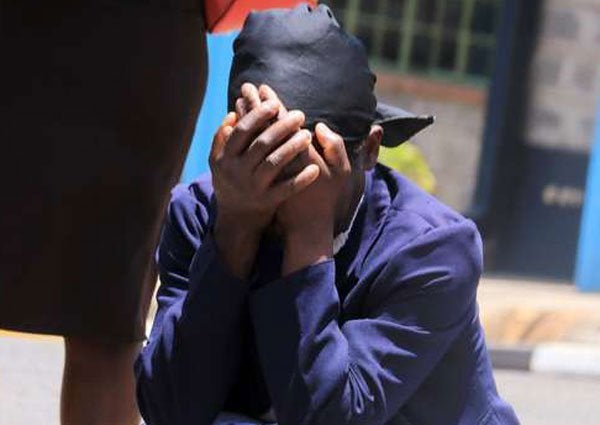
x=303, y=283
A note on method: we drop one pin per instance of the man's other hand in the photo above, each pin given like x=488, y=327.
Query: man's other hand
x=308, y=219
x=247, y=156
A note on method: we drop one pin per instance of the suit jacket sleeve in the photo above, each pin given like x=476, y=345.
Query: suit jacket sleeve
x=363, y=371
x=187, y=368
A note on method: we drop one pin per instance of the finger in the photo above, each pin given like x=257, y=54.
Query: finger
x=273, y=137
x=250, y=94
x=267, y=93
x=295, y=184
x=240, y=107
x=274, y=164
x=222, y=134
x=249, y=126
x=230, y=119
x=295, y=165
x=334, y=150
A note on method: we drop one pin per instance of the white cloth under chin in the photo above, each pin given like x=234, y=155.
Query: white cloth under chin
x=341, y=239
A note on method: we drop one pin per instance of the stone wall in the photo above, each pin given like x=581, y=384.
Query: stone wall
x=566, y=76
x=453, y=144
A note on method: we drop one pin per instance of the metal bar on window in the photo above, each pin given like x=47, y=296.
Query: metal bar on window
x=378, y=24
x=351, y=18
x=437, y=34
x=379, y=28
x=405, y=47
x=464, y=37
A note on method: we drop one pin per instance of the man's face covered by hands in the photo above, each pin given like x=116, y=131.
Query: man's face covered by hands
x=291, y=168
x=330, y=195
x=266, y=169
x=295, y=153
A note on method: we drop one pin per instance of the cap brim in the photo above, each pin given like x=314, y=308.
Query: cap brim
x=399, y=125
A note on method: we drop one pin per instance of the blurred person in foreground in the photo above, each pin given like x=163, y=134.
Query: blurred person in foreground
x=99, y=100
x=303, y=283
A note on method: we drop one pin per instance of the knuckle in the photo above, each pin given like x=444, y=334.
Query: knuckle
x=267, y=108
x=261, y=143
x=243, y=127
x=295, y=117
x=338, y=142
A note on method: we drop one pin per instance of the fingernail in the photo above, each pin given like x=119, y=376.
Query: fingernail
x=314, y=170
x=306, y=137
x=229, y=118
x=297, y=114
x=327, y=132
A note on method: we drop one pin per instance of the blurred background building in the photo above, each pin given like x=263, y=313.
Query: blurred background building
x=514, y=85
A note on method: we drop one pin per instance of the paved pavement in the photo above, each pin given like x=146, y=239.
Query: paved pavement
x=521, y=312
x=30, y=375
x=30, y=370
x=516, y=315
x=549, y=399
x=542, y=327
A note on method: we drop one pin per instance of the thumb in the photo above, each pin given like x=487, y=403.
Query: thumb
x=334, y=150
x=223, y=134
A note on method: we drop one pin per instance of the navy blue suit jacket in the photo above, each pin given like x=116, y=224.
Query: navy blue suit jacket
x=387, y=332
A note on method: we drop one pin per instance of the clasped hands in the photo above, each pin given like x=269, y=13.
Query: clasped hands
x=268, y=171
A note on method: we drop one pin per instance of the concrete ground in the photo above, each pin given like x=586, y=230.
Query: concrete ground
x=550, y=399
x=30, y=375
x=521, y=312
x=515, y=314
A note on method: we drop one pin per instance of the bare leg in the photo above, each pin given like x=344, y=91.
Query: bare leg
x=98, y=383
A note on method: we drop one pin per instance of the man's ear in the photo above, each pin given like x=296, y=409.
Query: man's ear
x=371, y=147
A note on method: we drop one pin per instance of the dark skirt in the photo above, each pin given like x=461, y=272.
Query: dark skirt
x=98, y=102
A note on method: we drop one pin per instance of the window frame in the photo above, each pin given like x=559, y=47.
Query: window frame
x=464, y=38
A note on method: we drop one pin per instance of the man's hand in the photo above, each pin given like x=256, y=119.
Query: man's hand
x=308, y=219
x=246, y=158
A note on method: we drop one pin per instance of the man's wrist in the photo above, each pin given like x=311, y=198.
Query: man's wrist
x=237, y=244
x=307, y=247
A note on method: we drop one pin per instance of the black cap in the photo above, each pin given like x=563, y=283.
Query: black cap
x=316, y=67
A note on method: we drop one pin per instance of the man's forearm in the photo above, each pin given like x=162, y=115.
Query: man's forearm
x=186, y=371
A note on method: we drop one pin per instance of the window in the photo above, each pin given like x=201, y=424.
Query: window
x=447, y=39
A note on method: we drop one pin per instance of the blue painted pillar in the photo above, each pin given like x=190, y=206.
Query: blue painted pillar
x=587, y=273
x=214, y=108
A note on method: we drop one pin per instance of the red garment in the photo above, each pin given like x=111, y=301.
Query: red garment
x=228, y=15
